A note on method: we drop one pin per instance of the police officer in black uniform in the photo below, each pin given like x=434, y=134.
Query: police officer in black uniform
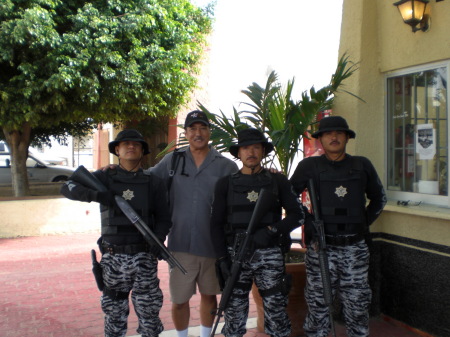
x=234, y=200
x=342, y=183
x=129, y=263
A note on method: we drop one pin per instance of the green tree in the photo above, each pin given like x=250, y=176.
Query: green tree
x=69, y=61
x=282, y=119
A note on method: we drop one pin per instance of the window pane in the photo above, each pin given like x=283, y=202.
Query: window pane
x=5, y=161
x=31, y=162
x=417, y=132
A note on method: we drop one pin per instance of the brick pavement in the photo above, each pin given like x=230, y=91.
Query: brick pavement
x=48, y=291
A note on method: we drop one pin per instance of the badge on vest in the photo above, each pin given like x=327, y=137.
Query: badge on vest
x=341, y=191
x=128, y=195
x=252, y=196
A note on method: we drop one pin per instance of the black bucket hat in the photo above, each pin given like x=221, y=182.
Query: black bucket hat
x=128, y=134
x=248, y=137
x=333, y=123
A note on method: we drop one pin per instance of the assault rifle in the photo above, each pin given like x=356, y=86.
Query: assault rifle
x=83, y=176
x=322, y=252
x=263, y=204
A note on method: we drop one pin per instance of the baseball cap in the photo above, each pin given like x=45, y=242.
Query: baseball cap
x=196, y=116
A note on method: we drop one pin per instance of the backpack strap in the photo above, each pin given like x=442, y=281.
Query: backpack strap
x=177, y=154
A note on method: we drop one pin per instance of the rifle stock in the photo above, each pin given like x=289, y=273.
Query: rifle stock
x=263, y=204
x=86, y=178
x=322, y=253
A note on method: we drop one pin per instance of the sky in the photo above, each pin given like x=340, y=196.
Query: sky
x=295, y=38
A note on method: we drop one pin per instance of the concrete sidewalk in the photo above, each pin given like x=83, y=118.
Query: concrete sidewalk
x=48, y=290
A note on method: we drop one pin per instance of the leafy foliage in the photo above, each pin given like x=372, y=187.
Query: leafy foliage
x=106, y=60
x=65, y=62
x=282, y=119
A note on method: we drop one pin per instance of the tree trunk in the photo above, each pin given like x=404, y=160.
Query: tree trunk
x=18, y=143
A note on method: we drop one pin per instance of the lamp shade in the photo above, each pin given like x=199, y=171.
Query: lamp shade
x=412, y=11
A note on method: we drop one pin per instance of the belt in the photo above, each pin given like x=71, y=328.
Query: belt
x=126, y=249
x=343, y=228
x=341, y=240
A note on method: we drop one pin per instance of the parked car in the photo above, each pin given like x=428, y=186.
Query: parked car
x=52, y=160
x=38, y=170
x=43, y=157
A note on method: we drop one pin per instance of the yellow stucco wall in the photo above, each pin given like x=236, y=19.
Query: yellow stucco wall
x=400, y=48
x=430, y=224
x=374, y=35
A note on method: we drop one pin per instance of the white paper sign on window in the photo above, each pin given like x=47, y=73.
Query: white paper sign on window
x=425, y=141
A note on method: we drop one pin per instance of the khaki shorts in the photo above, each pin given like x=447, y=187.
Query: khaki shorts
x=201, y=271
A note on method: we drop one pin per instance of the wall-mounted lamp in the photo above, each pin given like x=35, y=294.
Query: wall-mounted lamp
x=415, y=14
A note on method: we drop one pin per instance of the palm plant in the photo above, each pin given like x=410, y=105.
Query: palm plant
x=273, y=111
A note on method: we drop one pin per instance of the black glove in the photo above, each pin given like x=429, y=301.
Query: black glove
x=106, y=198
x=155, y=249
x=308, y=230
x=223, y=270
x=263, y=238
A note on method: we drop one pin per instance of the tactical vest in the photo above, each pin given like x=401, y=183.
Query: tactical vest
x=342, y=196
x=135, y=191
x=243, y=193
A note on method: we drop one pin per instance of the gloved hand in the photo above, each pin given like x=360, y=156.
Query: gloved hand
x=106, y=198
x=263, y=238
x=308, y=229
x=155, y=249
x=223, y=270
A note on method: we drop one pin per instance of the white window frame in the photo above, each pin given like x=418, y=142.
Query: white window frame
x=437, y=200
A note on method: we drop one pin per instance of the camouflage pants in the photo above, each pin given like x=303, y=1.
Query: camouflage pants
x=138, y=274
x=349, y=268
x=266, y=268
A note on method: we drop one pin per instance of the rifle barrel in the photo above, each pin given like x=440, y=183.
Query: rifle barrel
x=322, y=254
